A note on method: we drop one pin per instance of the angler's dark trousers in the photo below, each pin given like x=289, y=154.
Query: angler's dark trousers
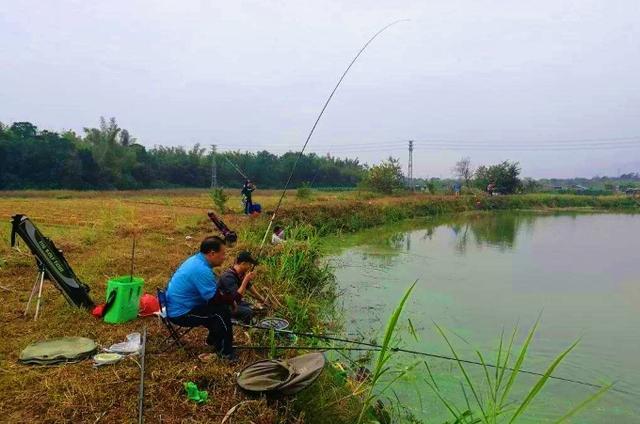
x=243, y=312
x=217, y=319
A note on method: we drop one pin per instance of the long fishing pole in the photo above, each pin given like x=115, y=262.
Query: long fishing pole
x=377, y=347
x=143, y=351
x=339, y=348
x=236, y=167
x=315, y=124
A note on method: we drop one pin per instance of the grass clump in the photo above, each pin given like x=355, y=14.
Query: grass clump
x=386, y=352
x=220, y=199
x=489, y=399
x=304, y=192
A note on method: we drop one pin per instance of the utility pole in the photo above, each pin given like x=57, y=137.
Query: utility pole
x=214, y=168
x=410, y=170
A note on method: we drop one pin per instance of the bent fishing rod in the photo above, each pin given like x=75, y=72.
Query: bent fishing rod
x=315, y=124
x=373, y=347
x=236, y=167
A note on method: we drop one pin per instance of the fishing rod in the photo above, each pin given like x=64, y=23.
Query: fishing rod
x=338, y=348
x=376, y=347
x=236, y=167
x=143, y=351
x=315, y=124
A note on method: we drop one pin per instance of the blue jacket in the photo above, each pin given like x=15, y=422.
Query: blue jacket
x=192, y=285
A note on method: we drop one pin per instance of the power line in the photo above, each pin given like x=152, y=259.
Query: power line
x=468, y=145
x=471, y=141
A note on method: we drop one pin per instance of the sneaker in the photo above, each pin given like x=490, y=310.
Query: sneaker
x=206, y=357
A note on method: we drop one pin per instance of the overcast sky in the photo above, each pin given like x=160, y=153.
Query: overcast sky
x=469, y=74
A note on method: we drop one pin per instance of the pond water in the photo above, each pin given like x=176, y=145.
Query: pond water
x=480, y=273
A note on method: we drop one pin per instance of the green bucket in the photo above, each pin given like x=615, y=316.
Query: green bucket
x=127, y=299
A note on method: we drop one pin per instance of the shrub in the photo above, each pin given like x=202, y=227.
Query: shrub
x=504, y=175
x=304, y=191
x=219, y=198
x=385, y=178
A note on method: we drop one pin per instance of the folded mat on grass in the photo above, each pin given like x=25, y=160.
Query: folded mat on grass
x=56, y=351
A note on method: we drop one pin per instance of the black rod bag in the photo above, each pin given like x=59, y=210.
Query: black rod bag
x=52, y=260
x=230, y=236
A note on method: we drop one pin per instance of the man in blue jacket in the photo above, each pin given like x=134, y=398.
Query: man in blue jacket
x=190, y=295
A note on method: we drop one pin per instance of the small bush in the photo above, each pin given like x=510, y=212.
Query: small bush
x=385, y=178
x=219, y=198
x=304, y=191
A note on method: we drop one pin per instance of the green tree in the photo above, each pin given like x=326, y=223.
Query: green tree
x=504, y=175
x=386, y=177
x=108, y=157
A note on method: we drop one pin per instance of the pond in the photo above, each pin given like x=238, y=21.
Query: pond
x=481, y=273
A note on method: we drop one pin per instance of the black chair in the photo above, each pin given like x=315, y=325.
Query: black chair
x=176, y=332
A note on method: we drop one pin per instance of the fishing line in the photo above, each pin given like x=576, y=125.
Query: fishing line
x=313, y=128
x=376, y=347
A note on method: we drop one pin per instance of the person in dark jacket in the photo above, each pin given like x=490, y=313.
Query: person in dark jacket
x=234, y=283
x=247, y=190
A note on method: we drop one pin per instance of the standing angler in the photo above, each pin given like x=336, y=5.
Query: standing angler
x=247, y=190
x=190, y=297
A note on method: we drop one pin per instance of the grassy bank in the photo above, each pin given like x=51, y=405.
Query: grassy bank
x=95, y=231
x=354, y=215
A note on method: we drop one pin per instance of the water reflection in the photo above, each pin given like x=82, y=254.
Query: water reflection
x=499, y=231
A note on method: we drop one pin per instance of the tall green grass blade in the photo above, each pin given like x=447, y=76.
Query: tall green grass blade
x=398, y=377
x=584, y=403
x=464, y=371
x=516, y=368
x=466, y=398
x=507, y=356
x=385, y=352
x=433, y=380
x=499, y=354
x=541, y=382
x=487, y=376
x=450, y=407
x=412, y=331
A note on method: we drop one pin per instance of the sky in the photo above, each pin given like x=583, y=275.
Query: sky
x=553, y=84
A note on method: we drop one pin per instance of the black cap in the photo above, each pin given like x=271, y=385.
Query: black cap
x=246, y=257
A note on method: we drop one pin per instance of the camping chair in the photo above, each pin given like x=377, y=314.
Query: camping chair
x=176, y=333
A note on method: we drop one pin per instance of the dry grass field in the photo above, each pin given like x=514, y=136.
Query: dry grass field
x=95, y=232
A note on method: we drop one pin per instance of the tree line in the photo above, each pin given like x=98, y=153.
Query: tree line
x=108, y=157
